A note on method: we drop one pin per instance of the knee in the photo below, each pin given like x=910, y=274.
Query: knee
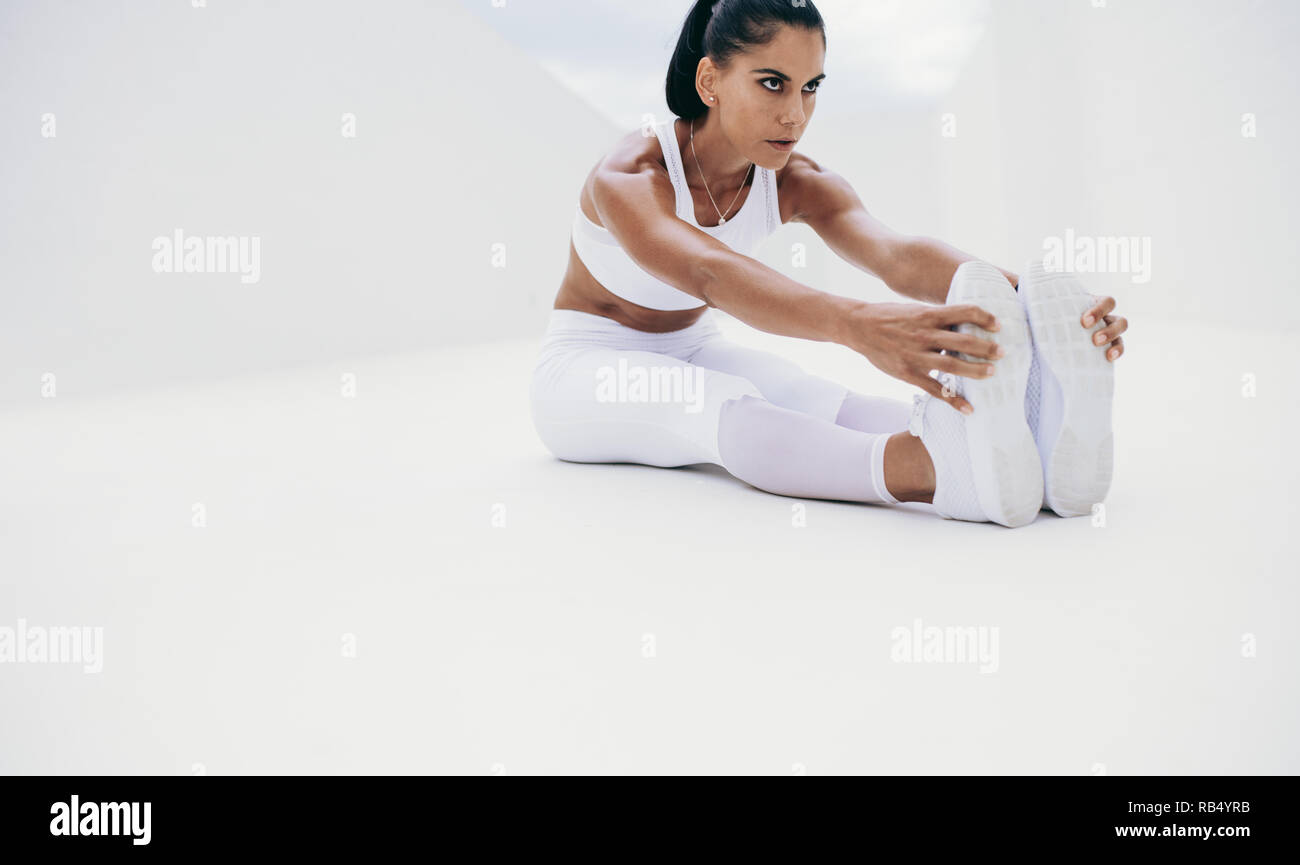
x=743, y=424
x=739, y=410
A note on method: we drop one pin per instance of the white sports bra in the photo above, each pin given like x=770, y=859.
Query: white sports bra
x=613, y=268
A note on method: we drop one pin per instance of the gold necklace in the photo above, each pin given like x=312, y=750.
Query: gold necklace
x=722, y=220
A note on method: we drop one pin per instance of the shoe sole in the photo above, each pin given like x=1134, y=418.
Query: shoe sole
x=1078, y=473
x=1004, y=459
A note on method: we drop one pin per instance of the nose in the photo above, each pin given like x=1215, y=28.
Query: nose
x=794, y=115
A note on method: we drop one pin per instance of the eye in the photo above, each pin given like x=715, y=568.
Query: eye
x=815, y=85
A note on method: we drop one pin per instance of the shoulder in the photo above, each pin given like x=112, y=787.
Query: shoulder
x=636, y=152
x=635, y=158
x=809, y=188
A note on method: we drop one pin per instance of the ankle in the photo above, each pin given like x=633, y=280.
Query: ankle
x=909, y=471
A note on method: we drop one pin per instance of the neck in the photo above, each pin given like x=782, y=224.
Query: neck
x=723, y=166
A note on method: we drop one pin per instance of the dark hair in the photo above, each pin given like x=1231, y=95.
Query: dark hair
x=722, y=28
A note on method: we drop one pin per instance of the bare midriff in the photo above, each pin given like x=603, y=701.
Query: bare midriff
x=580, y=291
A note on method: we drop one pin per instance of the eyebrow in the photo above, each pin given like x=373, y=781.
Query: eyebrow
x=785, y=77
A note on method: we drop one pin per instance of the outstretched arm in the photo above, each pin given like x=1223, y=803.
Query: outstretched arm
x=917, y=267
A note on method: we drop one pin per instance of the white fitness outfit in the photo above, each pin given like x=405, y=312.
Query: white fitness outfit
x=754, y=413
x=1040, y=436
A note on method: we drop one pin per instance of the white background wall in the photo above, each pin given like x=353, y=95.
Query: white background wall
x=1126, y=120
x=227, y=120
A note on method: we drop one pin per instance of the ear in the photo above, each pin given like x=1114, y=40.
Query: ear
x=706, y=80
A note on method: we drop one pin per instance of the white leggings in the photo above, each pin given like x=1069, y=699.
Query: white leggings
x=605, y=393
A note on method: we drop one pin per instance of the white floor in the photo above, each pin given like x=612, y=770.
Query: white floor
x=628, y=619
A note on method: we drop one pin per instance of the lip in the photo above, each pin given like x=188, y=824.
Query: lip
x=784, y=148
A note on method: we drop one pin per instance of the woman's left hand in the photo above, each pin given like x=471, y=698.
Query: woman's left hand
x=1108, y=338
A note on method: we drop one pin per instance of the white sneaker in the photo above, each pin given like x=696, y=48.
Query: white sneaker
x=1069, y=405
x=986, y=464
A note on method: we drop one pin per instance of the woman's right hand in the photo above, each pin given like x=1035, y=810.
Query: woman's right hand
x=907, y=340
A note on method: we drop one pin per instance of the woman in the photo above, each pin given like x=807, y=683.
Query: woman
x=634, y=369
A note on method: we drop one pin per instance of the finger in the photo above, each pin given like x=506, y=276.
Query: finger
x=1103, y=336
x=1116, y=349
x=935, y=388
x=969, y=344
x=1110, y=332
x=950, y=362
x=1104, y=305
x=967, y=312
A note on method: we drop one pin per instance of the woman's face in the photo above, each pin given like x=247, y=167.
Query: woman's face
x=768, y=93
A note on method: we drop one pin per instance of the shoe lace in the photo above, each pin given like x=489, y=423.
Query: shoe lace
x=916, y=424
x=920, y=400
